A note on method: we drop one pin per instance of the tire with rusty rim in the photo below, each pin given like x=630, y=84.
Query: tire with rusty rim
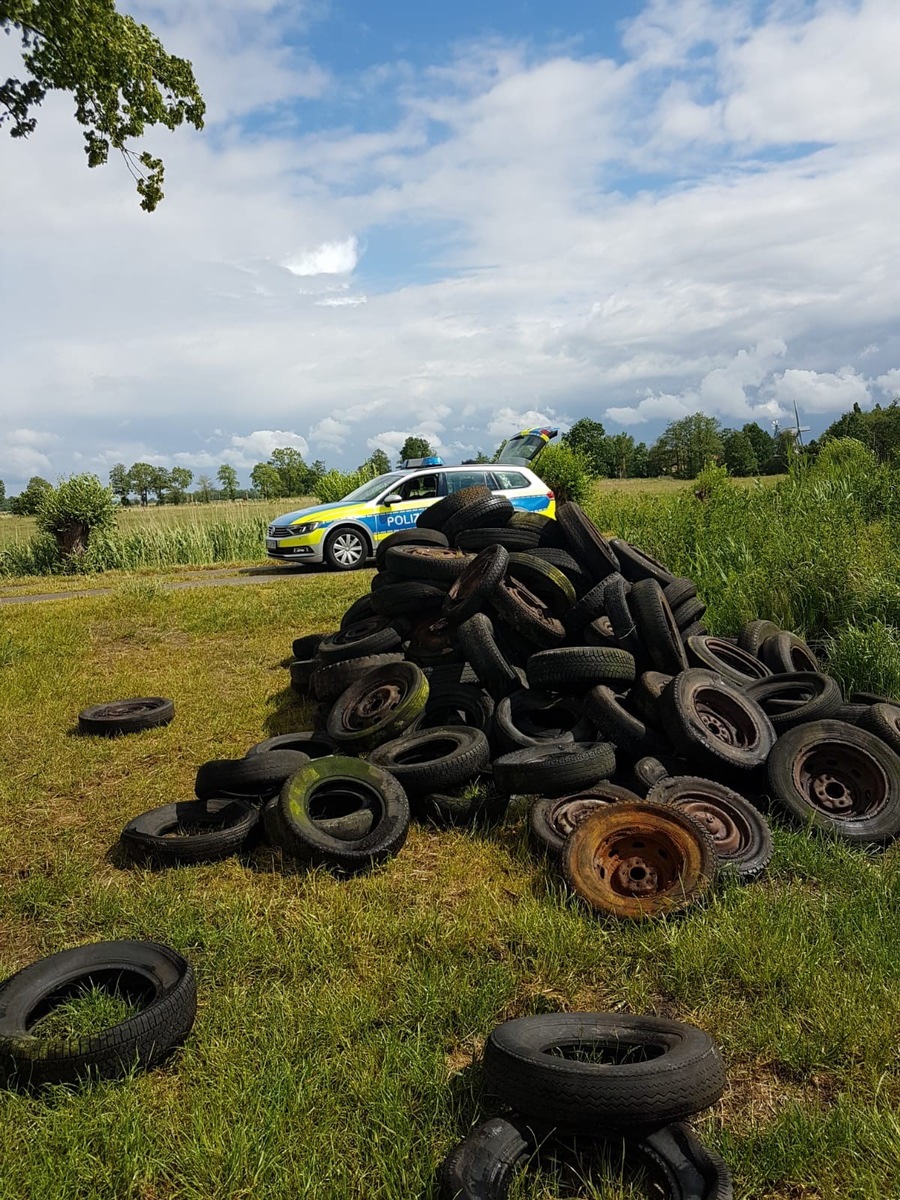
x=379, y=706
x=472, y=590
x=714, y=723
x=434, y=760
x=126, y=716
x=433, y=641
x=639, y=860
x=407, y=537
x=429, y=564
x=883, y=720
x=728, y=660
x=583, y=1072
x=545, y=580
x=784, y=652
x=373, y=635
x=327, y=781
x=740, y=834
x=837, y=777
x=554, y=769
x=796, y=699
x=528, y=614
x=552, y=820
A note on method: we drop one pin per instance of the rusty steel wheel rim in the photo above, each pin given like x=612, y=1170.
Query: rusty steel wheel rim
x=373, y=706
x=433, y=552
x=725, y=718
x=841, y=781
x=433, y=636
x=638, y=861
x=567, y=813
x=473, y=577
x=728, y=829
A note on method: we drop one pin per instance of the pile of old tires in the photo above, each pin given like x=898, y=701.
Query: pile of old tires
x=605, y=1080
x=500, y=653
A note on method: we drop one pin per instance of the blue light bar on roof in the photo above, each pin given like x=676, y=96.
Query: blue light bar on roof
x=412, y=464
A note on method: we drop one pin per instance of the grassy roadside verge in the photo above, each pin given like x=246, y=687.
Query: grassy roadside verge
x=335, y=1051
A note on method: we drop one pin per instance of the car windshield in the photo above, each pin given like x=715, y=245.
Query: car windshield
x=368, y=491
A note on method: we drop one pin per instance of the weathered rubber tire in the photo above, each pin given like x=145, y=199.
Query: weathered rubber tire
x=650, y=770
x=552, y=820
x=585, y=541
x=754, y=633
x=303, y=839
x=636, y=565
x=528, y=717
x=883, y=720
x=713, y=723
x=126, y=716
x=378, y=706
x=475, y=587
x=784, y=653
x=641, y=860
x=310, y=742
x=350, y=826
x=450, y=810
x=727, y=660
x=330, y=680
x=451, y=703
x=837, y=777
x=374, y=635
x=621, y=617
x=789, y=700
x=359, y=610
x=492, y=667
x=645, y=695
x=254, y=778
x=482, y=512
x=427, y=564
x=546, y=581
x=681, y=1072
x=528, y=614
x=740, y=833
x=306, y=647
x=472, y=541
x=407, y=598
x=434, y=760
x=142, y=968
x=613, y=720
x=433, y=641
x=553, y=769
x=679, y=591
x=563, y=560
x=437, y=514
x=656, y=627
x=228, y=823
x=408, y=537
x=689, y=613
x=301, y=671
x=576, y=669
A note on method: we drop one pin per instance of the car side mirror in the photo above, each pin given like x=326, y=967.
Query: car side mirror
x=393, y=498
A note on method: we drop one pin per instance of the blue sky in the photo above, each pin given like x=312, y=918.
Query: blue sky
x=458, y=221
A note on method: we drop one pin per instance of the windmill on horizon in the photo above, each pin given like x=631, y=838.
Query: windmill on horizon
x=798, y=430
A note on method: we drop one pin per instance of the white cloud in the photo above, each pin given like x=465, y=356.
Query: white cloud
x=245, y=451
x=30, y=437
x=21, y=462
x=331, y=258
x=889, y=383
x=821, y=392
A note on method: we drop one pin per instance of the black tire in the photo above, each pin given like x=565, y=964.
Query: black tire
x=585, y=541
x=301, y=675
x=457, y=704
x=713, y=723
x=359, y=610
x=303, y=839
x=870, y=698
x=726, y=659
x=471, y=806
x=754, y=633
x=226, y=825
x=612, y=719
x=155, y=973
x=883, y=720
x=621, y=618
x=484, y=1165
x=528, y=614
x=679, y=591
x=256, y=778
x=636, y=565
x=582, y=612
x=428, y=564
x=644, y=696
x=688, y=613
x=552, y=820
x=784, y=653
x=837, y=777
x=563, y=561
x=408, y=537
x=553, y=769
x=549, y=582
x=435, y=516
x=483, y=512
x=696, y=629
x=126, y=716
x=475, y=587
x=331, y=680
x=576, y=669
x=433, y=641
x=679, y=1071
x=312, y=743
x=531, y=718
x=851, y=714
x=374, y=635
x=434, y=760
x=789, y=700
x=739, y=832
x=346, y=549
x=650, y=770
x=473, y=540
x=307, y=646
x=407, y=598
x=378, y=706
x=490, y=664
x=656, y=627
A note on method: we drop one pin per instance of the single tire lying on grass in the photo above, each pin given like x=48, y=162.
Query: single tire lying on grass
x=639, y=860
x=126, y=716
x=190, y=832
x=156, y=975
x=325, y=782
x=580, y=1073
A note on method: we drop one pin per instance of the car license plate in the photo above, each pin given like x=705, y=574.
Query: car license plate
x=271, y=543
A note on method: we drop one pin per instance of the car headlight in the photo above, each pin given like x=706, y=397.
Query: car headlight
x=307, y=528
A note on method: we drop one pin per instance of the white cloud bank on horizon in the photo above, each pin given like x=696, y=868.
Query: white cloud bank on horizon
x=627, y=240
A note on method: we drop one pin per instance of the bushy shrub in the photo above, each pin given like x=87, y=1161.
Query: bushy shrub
x=565, y=472
x=73, y=509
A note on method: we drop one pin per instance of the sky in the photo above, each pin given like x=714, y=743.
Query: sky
x=457, y=221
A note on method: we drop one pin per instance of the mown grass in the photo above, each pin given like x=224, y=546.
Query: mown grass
x=336, y=1050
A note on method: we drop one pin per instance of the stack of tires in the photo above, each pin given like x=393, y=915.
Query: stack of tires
x=599, y=1078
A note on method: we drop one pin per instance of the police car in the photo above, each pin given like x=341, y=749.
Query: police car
x=344, y=534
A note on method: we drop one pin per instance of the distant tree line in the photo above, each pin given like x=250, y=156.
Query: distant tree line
x=680, y=452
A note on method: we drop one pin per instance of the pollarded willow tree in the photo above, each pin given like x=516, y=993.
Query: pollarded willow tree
x=120, y=75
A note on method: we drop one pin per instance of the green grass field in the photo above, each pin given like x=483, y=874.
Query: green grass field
x=336, y=1048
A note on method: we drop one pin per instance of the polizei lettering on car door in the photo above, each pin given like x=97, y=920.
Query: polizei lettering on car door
x=401, y=519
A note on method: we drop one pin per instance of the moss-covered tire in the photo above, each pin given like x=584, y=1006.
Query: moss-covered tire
x=379, y=706
x=324, y=781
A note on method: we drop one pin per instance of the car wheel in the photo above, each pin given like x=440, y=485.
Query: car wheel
x=346, y=550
